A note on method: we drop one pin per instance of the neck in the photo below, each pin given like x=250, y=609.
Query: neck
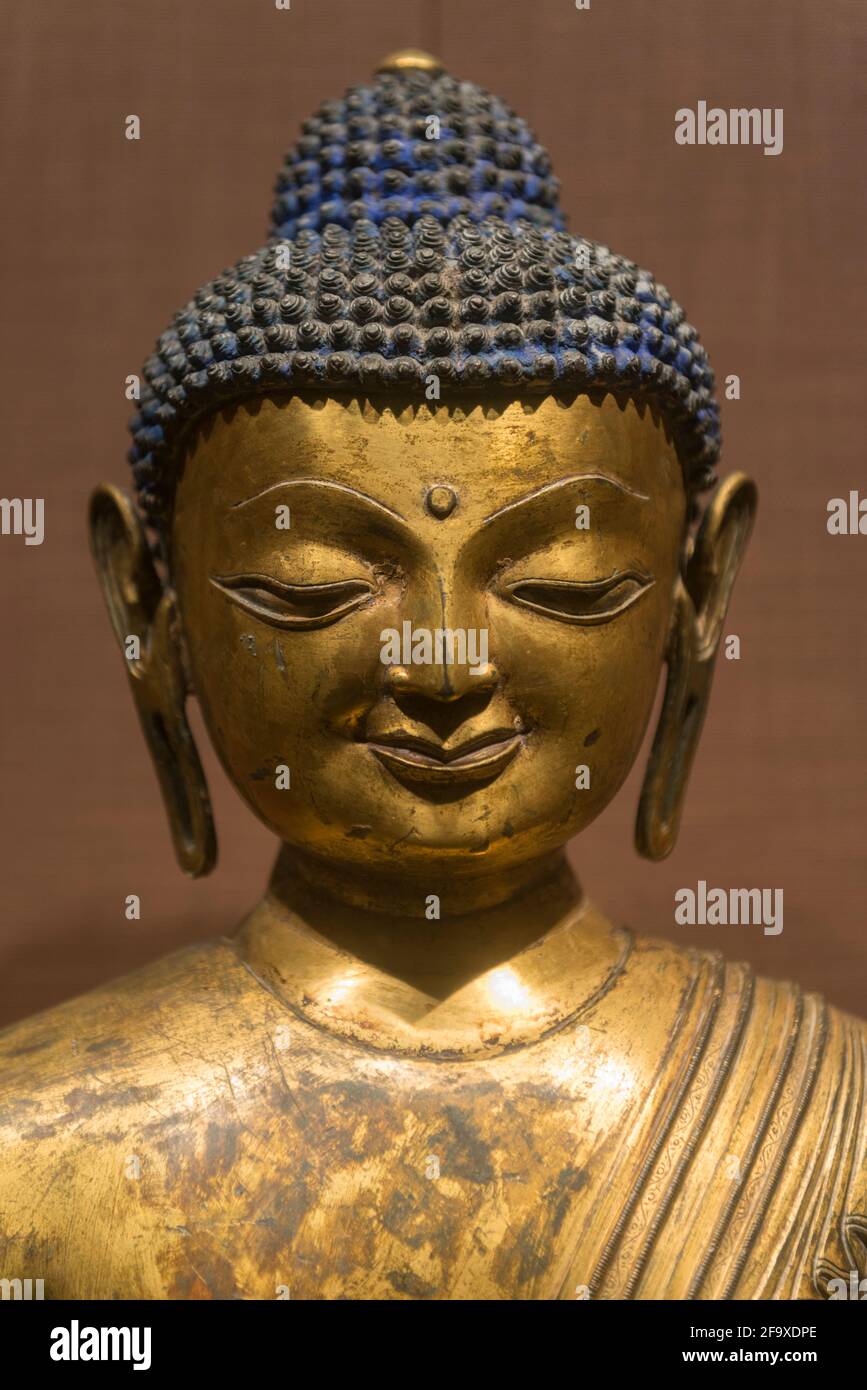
x=389, y=891
x=360, y=954
x=435, y=932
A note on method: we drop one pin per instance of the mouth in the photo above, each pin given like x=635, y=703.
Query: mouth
x=416, y=760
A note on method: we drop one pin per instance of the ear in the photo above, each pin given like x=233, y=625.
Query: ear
x=143, y=613
x=701, y=602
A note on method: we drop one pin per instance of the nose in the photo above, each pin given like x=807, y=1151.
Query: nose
x=441, y=700
x=443, y=655
x=441, y=681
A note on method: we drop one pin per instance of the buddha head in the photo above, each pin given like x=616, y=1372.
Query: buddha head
x=424, y=508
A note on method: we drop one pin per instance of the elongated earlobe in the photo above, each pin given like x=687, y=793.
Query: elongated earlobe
x=143, y=613
x=700, y=605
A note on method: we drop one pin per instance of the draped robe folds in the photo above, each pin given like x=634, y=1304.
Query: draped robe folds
x=188, y=1133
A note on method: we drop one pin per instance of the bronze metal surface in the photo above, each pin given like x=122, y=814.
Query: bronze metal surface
x=360, y=1096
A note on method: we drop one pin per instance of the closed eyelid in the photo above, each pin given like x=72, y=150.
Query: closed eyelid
x=280, y=586
x=581, y=601
x=272, y=600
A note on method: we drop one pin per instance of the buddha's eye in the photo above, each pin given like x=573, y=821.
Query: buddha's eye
x=580, y=601
x=294, y=605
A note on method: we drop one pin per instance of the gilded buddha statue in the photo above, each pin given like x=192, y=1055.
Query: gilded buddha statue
x=425, y=502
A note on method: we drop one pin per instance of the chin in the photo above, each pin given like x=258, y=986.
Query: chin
x=461, y=843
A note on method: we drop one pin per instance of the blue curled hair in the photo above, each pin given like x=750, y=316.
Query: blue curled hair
x=416, y=233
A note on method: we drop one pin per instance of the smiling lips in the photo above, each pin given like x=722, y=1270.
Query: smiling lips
x=416, y=760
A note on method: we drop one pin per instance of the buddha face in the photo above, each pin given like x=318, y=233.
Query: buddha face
x=430, y=636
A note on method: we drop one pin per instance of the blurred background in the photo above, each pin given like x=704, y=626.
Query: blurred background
x=104, y=238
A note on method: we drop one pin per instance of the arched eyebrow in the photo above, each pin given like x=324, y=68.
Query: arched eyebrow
x=323, y=483
x=565, y=482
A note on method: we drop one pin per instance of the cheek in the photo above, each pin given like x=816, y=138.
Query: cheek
x=273, y=698
x=586, y=692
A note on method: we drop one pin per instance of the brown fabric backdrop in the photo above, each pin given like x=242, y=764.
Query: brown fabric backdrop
x=104, y=238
